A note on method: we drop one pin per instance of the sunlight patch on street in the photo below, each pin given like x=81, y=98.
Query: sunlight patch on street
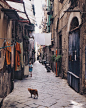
x=76, y=104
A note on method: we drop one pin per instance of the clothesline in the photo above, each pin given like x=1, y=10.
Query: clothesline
x=5, y=47
x=8, y=39
x=5, y=40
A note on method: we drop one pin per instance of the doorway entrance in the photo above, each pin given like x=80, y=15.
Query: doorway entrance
x=74, y=55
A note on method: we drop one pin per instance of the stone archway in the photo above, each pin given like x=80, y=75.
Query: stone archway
x=74, y=23
x=72, y=15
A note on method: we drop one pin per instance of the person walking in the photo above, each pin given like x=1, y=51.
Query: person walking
x=30, y=68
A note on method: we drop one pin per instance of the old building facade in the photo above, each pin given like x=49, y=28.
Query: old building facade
x=14, y=47
x=6, y=72
x=71, y=35
x=67, y=25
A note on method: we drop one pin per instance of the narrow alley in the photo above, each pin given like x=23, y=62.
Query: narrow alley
x=54, y=92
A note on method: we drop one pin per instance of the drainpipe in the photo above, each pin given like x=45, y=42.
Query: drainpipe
x=56, y=63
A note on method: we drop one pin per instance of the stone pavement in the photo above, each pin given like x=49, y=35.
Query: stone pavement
x=54, y=92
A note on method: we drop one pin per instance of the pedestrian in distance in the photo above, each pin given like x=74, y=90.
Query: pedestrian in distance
x=30, y=68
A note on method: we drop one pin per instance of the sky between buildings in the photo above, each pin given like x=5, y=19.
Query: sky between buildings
x=38, y=14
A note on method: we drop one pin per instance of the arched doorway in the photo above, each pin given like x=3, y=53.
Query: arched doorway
x=74, y=44
x=74, y=54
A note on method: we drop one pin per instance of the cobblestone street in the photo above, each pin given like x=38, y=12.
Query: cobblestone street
x=54, y=92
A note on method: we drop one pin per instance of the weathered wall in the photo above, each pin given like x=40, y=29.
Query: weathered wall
x=54, y=33
x=64, y=27
x=82, y=58
x=6, y=83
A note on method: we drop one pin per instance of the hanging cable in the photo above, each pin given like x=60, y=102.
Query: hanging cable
x=5, y=47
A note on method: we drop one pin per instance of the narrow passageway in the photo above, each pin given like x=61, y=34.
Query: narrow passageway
x=54, y=92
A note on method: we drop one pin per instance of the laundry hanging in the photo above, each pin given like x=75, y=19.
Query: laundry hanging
x=47, y=39
x=5, y=52
x=31, y=41
x=17, y=56
x=8, y=53
x=12, y=56
x=43, y=38
x=21, y=46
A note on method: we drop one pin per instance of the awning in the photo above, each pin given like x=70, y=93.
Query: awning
x=12, y=14
x=20, y=7
x=18, y=1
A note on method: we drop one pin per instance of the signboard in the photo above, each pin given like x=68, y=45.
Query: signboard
x=18, y=1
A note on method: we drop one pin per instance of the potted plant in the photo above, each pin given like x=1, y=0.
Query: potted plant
x=58, y=58
x=53, y=58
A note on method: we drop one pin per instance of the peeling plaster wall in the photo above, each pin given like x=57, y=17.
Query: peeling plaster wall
x=6, y=83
